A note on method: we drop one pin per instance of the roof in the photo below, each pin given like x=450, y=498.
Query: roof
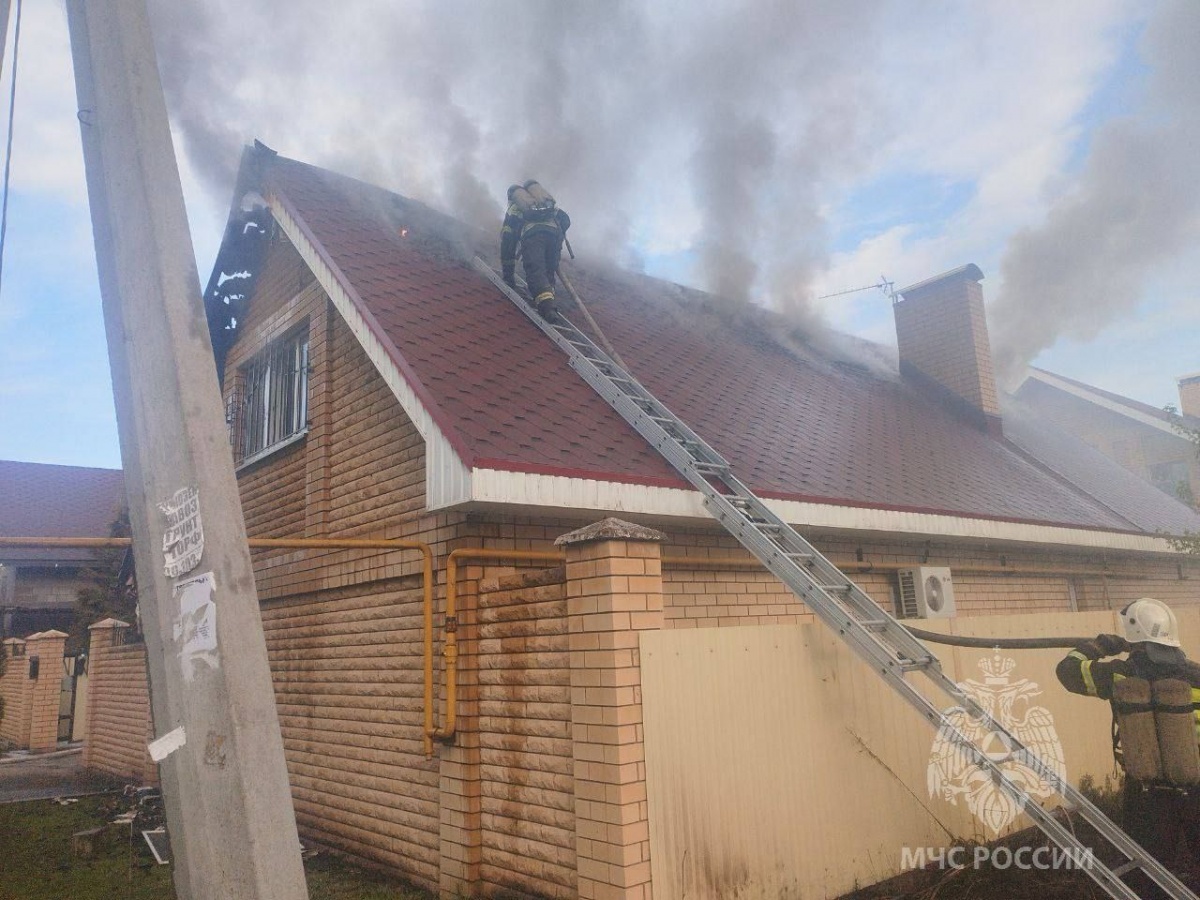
x=1040, y=379
x=1082, y=465
x=798, y=416
x=40, y=500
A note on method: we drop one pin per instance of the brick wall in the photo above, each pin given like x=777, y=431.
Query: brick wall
x=347, y=667
x=527, y=799
x=941, y=330
x=31, y=704
x=119, y=726
x=15, y=689
x=987, y=580
x=1189, y=395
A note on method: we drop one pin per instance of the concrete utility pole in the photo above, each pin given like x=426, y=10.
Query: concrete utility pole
x=5, y=6
x=229, y=808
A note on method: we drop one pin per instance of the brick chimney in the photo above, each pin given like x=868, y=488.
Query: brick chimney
x=944, y=348
x=1189, y=395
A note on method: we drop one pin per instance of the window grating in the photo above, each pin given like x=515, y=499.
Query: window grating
x=270, y=399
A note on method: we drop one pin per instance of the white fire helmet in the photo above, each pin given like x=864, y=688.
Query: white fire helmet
x=1150, y=621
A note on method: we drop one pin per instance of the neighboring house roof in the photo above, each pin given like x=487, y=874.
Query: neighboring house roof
x=1089, y=469
x=798, y=417
x=39, y=500
x=1039, y=382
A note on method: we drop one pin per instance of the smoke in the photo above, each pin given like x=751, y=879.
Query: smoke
x=722, y=119
x=1136, y=205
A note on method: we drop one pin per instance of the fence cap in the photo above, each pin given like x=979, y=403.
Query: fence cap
x=46, y=634
x=108, y=623
x=14, y=640
x=609, y=529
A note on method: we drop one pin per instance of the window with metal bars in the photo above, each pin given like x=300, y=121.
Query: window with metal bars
x=273, y=389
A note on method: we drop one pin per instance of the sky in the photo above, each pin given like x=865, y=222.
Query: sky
x=771, y=151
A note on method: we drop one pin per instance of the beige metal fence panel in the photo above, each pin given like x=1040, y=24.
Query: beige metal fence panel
x=779, y=765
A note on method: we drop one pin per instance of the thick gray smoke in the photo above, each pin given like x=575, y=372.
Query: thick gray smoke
x=719, y=118
x=1135, y=206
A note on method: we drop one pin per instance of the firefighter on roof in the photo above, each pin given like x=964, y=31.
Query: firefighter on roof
x=535, y=224
x=1155, y=695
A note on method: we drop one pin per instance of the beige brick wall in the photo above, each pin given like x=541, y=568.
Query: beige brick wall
x=347, y=666
x=1189, y=395
x=119, y=725
x=941, y=330
x=987, y=580
x=527, y=790
x=15, y=688
x=46, y=690
x=31, y=704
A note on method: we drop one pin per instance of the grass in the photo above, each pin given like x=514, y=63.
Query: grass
x=36, y=862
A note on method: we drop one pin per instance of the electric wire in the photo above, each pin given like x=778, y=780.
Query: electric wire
x=12, y=106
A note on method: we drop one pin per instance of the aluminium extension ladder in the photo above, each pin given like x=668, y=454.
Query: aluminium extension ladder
x=878, y=638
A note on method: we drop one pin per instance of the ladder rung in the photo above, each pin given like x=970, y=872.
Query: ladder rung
x=834, y=587
x=915, y=665
x=875, y=624
x=1125, y=868
x=799, y=556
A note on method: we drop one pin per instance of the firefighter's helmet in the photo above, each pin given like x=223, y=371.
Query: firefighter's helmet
x=1150, y=621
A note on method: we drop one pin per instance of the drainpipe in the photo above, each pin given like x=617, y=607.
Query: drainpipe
x=450, y=648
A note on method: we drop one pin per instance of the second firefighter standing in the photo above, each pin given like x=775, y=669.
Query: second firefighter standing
x=1154, y=690
x=534, y=225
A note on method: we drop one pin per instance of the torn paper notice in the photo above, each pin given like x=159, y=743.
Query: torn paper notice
x=196, y=625
x=183, y=537
x=164, y=746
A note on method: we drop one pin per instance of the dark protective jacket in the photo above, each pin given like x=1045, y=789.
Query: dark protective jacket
x=1083, y=672
x=515, y=228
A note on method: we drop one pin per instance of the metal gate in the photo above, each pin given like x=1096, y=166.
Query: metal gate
x=73, y=667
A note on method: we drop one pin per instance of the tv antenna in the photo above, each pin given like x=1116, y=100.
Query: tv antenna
x=888, y=288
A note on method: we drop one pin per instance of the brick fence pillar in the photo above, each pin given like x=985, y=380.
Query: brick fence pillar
x=102, y=637
x=614, y=591
x=15, y=688
x=46, y=689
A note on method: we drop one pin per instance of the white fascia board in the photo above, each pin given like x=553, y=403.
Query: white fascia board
x=1104, y=402
x=447, y=479
x=562, y=493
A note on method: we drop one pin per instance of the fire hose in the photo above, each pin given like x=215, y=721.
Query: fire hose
x=987, y=643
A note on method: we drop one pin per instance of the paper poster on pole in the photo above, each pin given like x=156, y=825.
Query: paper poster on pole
x=183, y=535
x=196, y=625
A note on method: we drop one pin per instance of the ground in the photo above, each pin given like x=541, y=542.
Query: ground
x=39, y=864
x=1011, y=882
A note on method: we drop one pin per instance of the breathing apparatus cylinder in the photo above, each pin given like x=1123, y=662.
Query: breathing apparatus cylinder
x=1134, y=704
x=1175, y=722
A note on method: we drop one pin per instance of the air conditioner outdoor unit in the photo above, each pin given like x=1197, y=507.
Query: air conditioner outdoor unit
x=926, y=592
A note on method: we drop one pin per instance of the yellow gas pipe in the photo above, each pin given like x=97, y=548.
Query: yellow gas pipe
x=450, y=650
